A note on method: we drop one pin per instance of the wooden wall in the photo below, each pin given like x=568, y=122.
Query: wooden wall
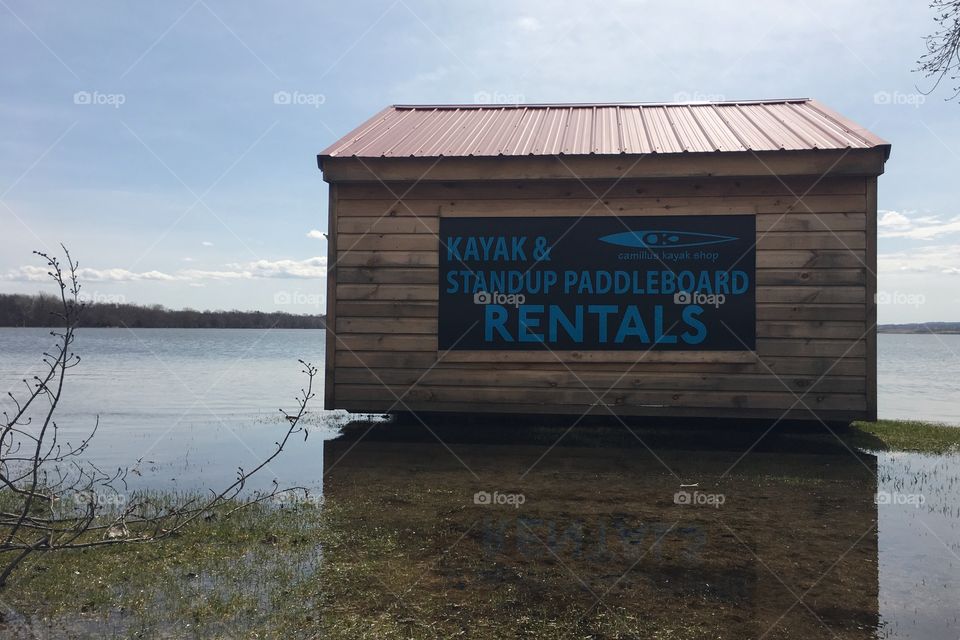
x=815, y=308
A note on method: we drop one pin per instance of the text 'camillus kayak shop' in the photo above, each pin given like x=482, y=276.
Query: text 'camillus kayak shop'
x=714, y=260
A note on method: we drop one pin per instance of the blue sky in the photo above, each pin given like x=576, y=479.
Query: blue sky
x=146, y=136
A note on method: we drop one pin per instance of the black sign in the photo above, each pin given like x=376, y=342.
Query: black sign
x=598, y=283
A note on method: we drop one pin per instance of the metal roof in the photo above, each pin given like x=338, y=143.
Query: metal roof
x=402, y=131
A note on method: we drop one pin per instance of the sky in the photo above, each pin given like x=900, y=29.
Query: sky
x=172, y=146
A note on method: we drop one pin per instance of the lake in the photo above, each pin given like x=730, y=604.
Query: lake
x=192, y=404
x=186, y=407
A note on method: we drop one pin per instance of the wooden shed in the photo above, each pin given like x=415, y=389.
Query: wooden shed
x=713, y=260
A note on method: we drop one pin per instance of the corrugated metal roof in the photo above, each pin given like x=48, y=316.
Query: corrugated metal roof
x=403, y=131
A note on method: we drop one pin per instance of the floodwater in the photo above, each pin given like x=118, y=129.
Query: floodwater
x=794, y=540
x=790, y=540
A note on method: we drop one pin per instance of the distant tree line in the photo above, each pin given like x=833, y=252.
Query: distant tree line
x=19, y=310
x=921, y=327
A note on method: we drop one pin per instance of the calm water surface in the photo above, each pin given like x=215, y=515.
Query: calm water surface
x=918, y=377
x=192, y=404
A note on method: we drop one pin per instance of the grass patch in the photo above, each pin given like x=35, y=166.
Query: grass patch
x=249, y=574
x=906, y=435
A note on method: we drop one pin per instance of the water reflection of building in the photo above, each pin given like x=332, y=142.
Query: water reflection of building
x=607, y=541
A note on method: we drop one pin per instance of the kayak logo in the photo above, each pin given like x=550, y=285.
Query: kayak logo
x=655, y=239
x=702, y=299
x=495, y=297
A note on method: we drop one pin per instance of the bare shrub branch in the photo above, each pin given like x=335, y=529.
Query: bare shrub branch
x=942, y=59
x=51, y=499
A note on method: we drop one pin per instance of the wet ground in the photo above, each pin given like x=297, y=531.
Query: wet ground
x=798, y=539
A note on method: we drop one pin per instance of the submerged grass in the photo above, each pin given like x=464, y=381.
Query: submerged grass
x=248, y=574
x=906, y=435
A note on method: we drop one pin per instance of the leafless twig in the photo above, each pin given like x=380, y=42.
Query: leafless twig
x=51, y=499
x=942, y=59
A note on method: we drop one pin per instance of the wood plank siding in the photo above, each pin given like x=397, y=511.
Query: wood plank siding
x=815, y=351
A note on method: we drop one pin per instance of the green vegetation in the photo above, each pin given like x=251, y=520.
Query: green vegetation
x=243, y=574
x=906, y=435
x=18, y=310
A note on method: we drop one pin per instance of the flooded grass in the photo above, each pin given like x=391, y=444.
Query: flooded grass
x=665, y=533
x=603, y=545
x=243, y=574
x=906, y=435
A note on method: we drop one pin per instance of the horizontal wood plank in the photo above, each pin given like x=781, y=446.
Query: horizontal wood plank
x=574, y=188
x=810, y=294
x=826, y=329
x=387, y=308
x=583, y=397
x=600, y=381
x=386, y=292
x=765, y=222
x=811, y=222
x=430, y=275
x=367, y=405
x=773, y=294
x=356, y=258
x=811, y=277
x=776, y=240
x=810, y=259
x=389, y=224
x=838, y=312
x=821, y=240
x=396, y=275
x=576, y=207
x=387, y=325
x=819, y=163
x=800, y=311
x=800, y=365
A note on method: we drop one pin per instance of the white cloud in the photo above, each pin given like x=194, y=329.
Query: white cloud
x=894, y=224
x=893, y=220
x=205, y=274
x=31, y=273
x=943, y=259
x=308, y=268
x=316, y=234
x=207, y=243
